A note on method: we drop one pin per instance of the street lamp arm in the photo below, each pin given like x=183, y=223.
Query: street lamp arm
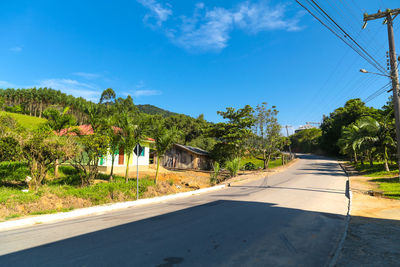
x=365, y=71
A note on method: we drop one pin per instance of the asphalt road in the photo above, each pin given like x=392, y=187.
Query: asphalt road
x=293, y=218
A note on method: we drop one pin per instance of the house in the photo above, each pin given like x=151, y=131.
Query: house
x=186, y=157
x=121, y=156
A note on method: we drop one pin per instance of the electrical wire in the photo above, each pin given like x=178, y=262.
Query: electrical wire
x=377, y=93
x=341, y=33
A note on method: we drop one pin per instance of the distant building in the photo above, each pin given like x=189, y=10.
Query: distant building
x=308, y=125
x=186, y=157
x=121, y=155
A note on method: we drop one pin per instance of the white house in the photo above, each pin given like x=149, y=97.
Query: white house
x=121, y=156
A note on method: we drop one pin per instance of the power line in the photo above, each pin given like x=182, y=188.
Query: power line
x=377, y=93
x=338, y=30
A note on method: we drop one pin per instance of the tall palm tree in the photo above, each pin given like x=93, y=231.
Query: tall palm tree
x=133, y=129
x=347, y=142
x=164, y=139
x=376, y=134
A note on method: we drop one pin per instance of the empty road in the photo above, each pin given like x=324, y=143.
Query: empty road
x=293, y=218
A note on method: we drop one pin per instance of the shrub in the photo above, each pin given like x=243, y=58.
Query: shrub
x=250, y=166
x=13, y=171
x=15, y=109
x=10, y=150
x=214, y=175
x=233, y=167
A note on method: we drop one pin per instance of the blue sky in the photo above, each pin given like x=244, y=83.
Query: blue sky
x=194, y=57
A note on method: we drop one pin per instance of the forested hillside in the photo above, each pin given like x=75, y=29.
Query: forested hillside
x=153, y=110
x=34, y=101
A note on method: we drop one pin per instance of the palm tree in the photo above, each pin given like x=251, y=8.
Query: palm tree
x=376, y=134
x=347, y=142
x=164, y=139
x=133, y=129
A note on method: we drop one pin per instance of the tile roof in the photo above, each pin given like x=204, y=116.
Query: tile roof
x=87, y=129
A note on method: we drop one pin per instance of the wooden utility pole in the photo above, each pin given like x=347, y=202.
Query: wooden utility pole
x=389, y=16
x=287, y=134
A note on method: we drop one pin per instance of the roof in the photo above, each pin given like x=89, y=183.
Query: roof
x=87, y=129
x=195, y=150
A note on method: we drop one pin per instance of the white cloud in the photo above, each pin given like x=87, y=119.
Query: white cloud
x=5, y=84
x=16, y=49
x=86, y=75
x=73, y=87
x=139, y=93
x=261, y=17
x=158, y=12
x=210, y=29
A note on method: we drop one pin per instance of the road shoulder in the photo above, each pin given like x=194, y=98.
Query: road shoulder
x=374, y=228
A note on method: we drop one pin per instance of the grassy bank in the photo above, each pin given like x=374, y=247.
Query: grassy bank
x=388, y=182
x=26, y=121
x=259, y=163
x=61, y=194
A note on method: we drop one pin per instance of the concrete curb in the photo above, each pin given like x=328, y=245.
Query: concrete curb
x=98, y=210
x=339, y=248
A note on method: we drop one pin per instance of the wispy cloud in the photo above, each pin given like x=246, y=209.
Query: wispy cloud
x=5, y=84
x=158, y=12
x=87, y=75
x=139, y=93
x=16, y=49
x=73, y=87
x=209, y=29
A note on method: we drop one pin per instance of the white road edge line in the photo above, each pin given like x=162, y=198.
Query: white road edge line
x=98, y=210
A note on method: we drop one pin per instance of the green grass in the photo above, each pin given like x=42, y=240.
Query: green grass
x=26, y=121
x=389, y=186
x=259, y=163
x=376, y=171
x=50, y=211
x=12, y=216
x=13, y=171
x=12, y=196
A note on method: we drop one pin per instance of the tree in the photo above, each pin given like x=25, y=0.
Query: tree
x=266, y=139
x=41, y=151
x=232, y=135
x=114, y=136
x=133, y=131
x=375, y=135
x=348, y=141
x=332, y=125
x=306, y=141
x=92, y=147
x=107, y=97
x=10, y=149
x=57, y=121
x=164, y=139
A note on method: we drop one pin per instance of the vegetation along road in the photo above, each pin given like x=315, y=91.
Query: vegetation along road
x=293, y=218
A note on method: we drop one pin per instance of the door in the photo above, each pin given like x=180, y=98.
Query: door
x=121, y=156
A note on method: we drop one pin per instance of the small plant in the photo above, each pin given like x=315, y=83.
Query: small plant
x=233, y=167
x=250, y=166
x=171, y=182
x=214, y=175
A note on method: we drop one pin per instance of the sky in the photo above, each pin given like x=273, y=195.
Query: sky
x=195, y=57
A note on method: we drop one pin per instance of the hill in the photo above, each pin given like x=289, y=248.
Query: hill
x=153, y=110
x=26, y=121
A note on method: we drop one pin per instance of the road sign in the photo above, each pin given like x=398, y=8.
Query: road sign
x=138, y=150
